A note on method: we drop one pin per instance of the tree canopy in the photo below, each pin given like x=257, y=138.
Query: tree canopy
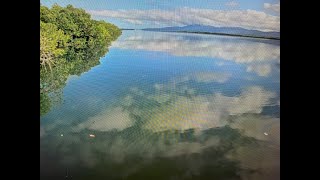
x=70, y=44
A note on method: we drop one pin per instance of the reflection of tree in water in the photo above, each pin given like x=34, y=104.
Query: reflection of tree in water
x=45, y=103
x=52, y=82
x=70, y=44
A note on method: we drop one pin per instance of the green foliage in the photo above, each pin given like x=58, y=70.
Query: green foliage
x=45, y=103
x=46, y=15
x=70, y=44
x=53, y=43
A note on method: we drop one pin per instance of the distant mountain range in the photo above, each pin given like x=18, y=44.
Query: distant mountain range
x=235, y=31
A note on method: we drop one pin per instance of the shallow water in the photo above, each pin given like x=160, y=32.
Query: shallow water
x=169, y=106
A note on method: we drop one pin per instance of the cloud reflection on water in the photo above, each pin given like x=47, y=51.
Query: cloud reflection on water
x=259, y=56
x=163, y=129
x=172, y=119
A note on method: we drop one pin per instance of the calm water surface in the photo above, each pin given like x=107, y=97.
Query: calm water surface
x=169, y=106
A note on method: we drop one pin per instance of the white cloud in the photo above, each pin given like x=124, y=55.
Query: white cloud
x=205, y=77
x=250, y=19
x=185, y=114
x=261, y=69
x=199, y=112
x=107, y=120
x=225, y=48
x=272, y=7
x=205, y=112
x=259, y=57
x=220, y=63
x=211, y=77
x=251, y=100
x=232, y=3
x=132, y=21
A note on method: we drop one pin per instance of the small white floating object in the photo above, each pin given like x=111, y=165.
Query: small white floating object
x=92, y=135
x=266, y=134
x=61, y=135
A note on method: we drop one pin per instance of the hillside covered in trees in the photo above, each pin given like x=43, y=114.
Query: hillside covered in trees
x=70, y=44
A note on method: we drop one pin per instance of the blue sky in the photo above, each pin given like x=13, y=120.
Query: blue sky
x=251, y=14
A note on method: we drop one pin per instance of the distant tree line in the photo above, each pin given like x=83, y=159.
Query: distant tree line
x=70, y=44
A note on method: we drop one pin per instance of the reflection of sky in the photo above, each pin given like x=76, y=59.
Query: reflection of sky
x=229, y=48
x=149, y=91
x=259, y=55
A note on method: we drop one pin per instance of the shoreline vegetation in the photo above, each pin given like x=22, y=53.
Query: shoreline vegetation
x=70, y=43
x=209, y=33
x=226, y=34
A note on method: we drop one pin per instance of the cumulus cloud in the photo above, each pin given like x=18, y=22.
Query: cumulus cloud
x=207, y=112
x=272, y=7
x=220, y=63
x=251, y=100
x=132, y=21
x=260, y=69
x=212, y=77
x=259, y=56
x=232, y=4
x=250, y=19
x=107, y=120
x=207, y=77
x=200, y=77
x=157, y=135
x=240, y=51
x=184, y=114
